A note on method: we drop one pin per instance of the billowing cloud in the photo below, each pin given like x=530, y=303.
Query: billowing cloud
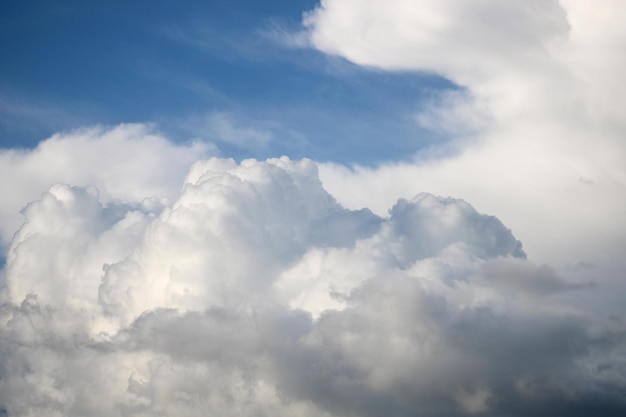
x=127, y=163
x=253, y=292
x=536, y=114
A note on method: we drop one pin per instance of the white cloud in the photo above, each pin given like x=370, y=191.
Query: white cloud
x=467, y=42
x=255, y=293
x=544, y=78
x=127, y=163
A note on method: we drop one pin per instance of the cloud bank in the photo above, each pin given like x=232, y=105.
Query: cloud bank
x=536, y=118
x=253, y=292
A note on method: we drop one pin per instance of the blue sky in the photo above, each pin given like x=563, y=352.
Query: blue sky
x=71, y=64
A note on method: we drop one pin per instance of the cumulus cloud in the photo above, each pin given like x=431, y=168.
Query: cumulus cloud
x=128, y=163
x=254, y=292
x=539, y=88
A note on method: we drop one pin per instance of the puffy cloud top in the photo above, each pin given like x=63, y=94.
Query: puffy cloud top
x=127, y=163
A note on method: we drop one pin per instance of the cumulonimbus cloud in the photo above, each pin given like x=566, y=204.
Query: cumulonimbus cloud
x=253, y=292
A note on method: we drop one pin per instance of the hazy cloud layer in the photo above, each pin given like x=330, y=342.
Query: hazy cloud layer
x=255, y=293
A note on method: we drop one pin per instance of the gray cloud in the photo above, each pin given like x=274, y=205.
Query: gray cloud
x=256, y=293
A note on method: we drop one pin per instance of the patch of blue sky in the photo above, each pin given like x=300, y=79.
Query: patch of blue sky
x=221, y=71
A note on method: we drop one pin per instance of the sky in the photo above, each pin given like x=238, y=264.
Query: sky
x=300, y=208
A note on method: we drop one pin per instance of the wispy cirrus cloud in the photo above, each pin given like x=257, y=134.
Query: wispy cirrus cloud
x=222, y=127
x=23, y=118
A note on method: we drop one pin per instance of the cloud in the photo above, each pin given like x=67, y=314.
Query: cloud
x=253, y=292
x=524, y=277
x=454, y=113
x=223, y=128
x=128, y=163
x=534, y=99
